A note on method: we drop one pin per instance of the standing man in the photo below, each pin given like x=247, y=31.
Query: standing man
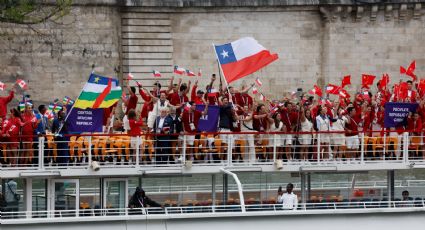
x=164, y=127
x=288, y=200
x=190, y=120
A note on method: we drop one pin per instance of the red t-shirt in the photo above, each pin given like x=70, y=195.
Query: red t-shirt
x=191, y=117
x=135, y=129
x=259, y=124
x=353, y=126
x=132, y=103
x=176, y=99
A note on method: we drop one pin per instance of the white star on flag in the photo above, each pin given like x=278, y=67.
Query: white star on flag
x=225, y=54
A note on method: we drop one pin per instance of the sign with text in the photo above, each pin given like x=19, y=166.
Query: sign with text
x=85, y=120
x=209, y=122
x=396, y=113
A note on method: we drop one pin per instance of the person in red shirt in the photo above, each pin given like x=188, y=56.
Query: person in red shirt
x=179, y=98
x=148, y=102
x=28, y=127
x=131, y=102
x=411, y=94
x=197, y=96
x=135, y=131
x=414, y=124
x=3, y=103
x=351, y=132
x=10, y=132
x=190, y=120
x=212, y=95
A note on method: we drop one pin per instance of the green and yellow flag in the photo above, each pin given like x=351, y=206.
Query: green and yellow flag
x=99, y=92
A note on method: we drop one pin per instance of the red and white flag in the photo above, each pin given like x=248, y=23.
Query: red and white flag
x=179, y=70
x=262, y=97
x=344, y=94
x=156, y=73
x=316, y=90
x=2, y=86
x=34, y=119
x=22, y=84
x=242, y=57
x=199, y=73
x=254, y=90
x=131, y=77
x=190, y=73
x=258, y=82
x=332, y=89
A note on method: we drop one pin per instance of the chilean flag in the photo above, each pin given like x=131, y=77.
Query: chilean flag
x=179, y=70
x=242, y=57
x=2, y=86
x=156, y=73
x=190, y=73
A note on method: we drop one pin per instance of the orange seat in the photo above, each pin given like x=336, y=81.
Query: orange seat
x=52, y=145
x=415, y=143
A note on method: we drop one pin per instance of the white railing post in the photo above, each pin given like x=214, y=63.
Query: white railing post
x=41, y=152
x=240, y=190
x=137, y=150
x=229, y=150
x=274, y=147
x=362, y=148
x=385, y=146
x=405, y=147
x=184, y=150
x=318, y=147
x=89, y=140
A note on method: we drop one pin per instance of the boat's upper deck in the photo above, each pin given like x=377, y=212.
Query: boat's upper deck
x=118, y=155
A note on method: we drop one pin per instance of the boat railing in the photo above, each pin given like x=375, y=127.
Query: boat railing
x=213, y=149
x=194, y=211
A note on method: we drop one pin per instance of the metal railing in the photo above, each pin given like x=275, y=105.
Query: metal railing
x=205, y=149
x=193, y=211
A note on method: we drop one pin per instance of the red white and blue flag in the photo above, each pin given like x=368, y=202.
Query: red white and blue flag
x=258, y=82
x=199, y=73
x=242, y=57
x=179, y=70
x=156, y=73
x=190, y=73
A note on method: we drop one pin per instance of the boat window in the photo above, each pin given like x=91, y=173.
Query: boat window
x=89, y=194
x=13, y=192
x=39, y=198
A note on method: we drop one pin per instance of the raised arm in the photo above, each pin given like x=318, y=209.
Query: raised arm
x=170, y=86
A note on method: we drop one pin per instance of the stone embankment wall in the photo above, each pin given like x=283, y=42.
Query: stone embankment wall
x=317, y=43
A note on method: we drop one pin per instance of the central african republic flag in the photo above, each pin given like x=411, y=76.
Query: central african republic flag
x=99, y=92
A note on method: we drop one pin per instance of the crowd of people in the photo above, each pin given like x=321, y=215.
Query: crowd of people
x=301, y=123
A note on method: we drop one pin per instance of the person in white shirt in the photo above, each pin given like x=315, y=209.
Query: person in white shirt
x=288, y=200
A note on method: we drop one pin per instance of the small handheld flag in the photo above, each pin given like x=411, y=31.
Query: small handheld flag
x=178, y=70
x=190, y=73
x=67, y=101
x=156, y=73
x=367, y=80
x=199, y=73
x=259, y=83
x=2, y=86
x=410, y=70
x=131, y=77
x=332, y=89
x=346, y=81
x=254, y=90
x=22, y=84
x=316, y=90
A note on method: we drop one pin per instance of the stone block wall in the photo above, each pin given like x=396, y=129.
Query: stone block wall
x=317, y=44
x=56, y=59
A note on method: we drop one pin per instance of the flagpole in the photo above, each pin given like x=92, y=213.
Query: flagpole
x=220, y=72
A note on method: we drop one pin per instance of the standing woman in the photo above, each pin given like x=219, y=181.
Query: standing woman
x=11, y=130
x=30, y=123
x=323, y=126
x=306, y=138
x=276, y=139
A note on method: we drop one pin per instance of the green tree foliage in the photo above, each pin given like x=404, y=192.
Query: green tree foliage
x=29, y=12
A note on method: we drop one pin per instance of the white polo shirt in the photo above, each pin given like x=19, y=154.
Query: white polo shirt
x=288, y=201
